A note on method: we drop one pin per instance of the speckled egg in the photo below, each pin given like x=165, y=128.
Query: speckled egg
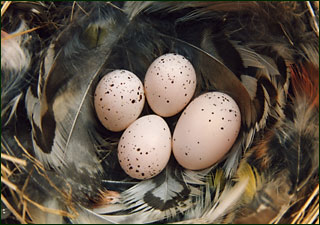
x=145, y=146
x=206, y=130
x=170, y=83
x=119, y=99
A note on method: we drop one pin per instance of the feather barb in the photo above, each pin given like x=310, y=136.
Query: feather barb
x=305, y=82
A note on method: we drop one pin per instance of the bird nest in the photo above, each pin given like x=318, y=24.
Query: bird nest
x=268, y=55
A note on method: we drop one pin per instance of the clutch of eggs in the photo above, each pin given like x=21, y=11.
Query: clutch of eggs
x=204, y=133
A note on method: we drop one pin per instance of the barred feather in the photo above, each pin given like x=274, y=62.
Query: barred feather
x=288, y=156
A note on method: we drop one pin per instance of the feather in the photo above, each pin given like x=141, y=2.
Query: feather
x=270, y=94
x=215, y=211
x=12, y=107
x=15, y=62
x=62, y=103
x=287, y=157
x=14, y=58
x=161, y=197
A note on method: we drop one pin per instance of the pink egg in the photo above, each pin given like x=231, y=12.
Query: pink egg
x=119, y=99
x=144, y=148
x=170, y=83
x=206, y=130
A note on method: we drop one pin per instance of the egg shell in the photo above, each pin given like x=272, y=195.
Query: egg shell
x=119, y=99
x=206, y=130
x=144, y=148
x=170, y=83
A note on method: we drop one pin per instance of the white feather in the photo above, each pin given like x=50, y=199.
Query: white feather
x=13, y=57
